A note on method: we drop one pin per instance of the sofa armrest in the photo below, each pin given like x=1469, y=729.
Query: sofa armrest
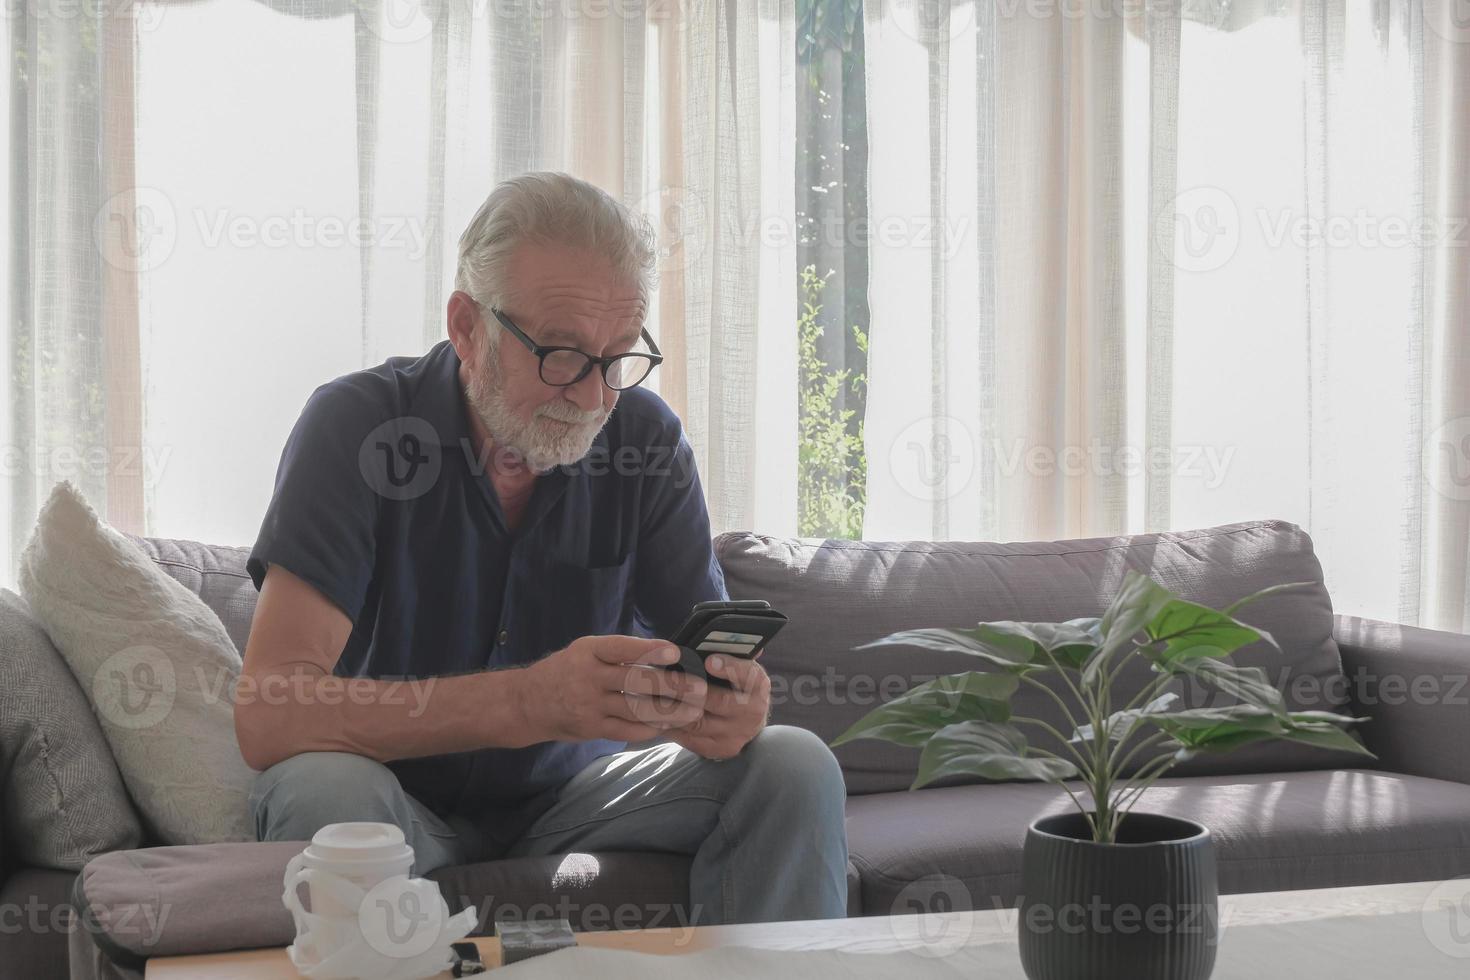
x=191, y=898
x=1414, y=684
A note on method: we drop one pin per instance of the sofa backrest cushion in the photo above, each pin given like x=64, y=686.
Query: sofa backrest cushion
x=841, y=594
x=215, y=573
x=62, y=798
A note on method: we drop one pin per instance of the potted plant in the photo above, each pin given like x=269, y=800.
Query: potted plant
x=1108, y=893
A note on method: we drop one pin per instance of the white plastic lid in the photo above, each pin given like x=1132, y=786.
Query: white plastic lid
x=360, y=843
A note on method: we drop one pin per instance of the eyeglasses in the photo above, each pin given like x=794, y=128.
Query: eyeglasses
x=564, y=366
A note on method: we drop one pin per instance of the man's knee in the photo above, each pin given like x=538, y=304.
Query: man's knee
x=790, y=757
x=298, y=796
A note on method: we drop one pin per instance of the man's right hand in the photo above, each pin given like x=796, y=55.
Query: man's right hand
x=608, y=687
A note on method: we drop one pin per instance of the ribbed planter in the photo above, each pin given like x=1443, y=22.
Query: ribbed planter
x=1144, y=908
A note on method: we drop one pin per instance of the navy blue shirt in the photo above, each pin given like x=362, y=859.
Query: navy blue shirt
x=383, y=504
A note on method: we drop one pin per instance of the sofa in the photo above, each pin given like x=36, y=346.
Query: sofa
x=1282, y=817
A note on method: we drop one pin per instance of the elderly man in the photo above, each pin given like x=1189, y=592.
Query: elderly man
x=482, y=518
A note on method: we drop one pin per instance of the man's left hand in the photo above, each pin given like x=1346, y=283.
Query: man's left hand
x=732, y=716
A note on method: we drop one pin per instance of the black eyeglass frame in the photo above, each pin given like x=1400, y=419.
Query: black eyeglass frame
x=604, y=363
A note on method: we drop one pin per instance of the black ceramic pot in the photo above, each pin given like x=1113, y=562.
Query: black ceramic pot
x=1144, y=908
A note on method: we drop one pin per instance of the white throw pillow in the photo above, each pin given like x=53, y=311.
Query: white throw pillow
x=156, y=664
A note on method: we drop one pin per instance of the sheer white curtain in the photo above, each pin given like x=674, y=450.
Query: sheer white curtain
x=1175, y=268
x=281, y=188
x=1133, y=265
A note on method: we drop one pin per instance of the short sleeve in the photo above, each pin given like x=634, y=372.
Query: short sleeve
x=676, y=560
x=321, y=522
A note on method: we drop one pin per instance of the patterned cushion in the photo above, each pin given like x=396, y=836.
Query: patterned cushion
x=64, y=802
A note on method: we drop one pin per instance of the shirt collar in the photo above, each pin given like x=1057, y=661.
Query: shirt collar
x=439, y=400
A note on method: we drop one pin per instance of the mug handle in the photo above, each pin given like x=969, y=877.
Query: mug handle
x=304, y=948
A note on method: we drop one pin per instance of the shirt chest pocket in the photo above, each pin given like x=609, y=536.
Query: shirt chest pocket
x=589, y=599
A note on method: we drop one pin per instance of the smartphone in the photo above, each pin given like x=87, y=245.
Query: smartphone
x=739, y=628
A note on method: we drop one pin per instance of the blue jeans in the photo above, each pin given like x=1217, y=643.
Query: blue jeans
x=765, y=829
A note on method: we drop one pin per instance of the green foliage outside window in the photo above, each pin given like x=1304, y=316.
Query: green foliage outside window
x=832, y=471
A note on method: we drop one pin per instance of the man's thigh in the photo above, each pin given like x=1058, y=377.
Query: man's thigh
x=663, y=798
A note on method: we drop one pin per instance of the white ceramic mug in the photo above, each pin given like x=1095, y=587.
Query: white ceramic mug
x=368, y=919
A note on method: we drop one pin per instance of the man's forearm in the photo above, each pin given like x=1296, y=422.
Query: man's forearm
x=281, y=714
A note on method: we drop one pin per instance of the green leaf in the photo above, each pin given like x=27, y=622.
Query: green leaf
x=1195, y=631
x=1013, y=646
x=1137, y=604
x=1008, y=652
x=1248, y=685
x=914, y=716
x=1223, y=729
x=1120, y=724
x=1069, y=643
x=1328, y=737
x=1268, y=591
x=987, y=749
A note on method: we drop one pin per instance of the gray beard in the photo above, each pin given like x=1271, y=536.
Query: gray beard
x=543, y=444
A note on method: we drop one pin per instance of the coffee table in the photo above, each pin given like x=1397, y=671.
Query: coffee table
x=1402, y=931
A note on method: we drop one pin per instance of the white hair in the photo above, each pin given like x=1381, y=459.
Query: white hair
x=550, y=208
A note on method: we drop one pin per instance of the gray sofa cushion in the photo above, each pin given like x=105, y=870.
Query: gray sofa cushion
x=213, y=572
x=164, y=901
x=33, y=941
x=64, y=802
x=1272, y=832
x=840, y=594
